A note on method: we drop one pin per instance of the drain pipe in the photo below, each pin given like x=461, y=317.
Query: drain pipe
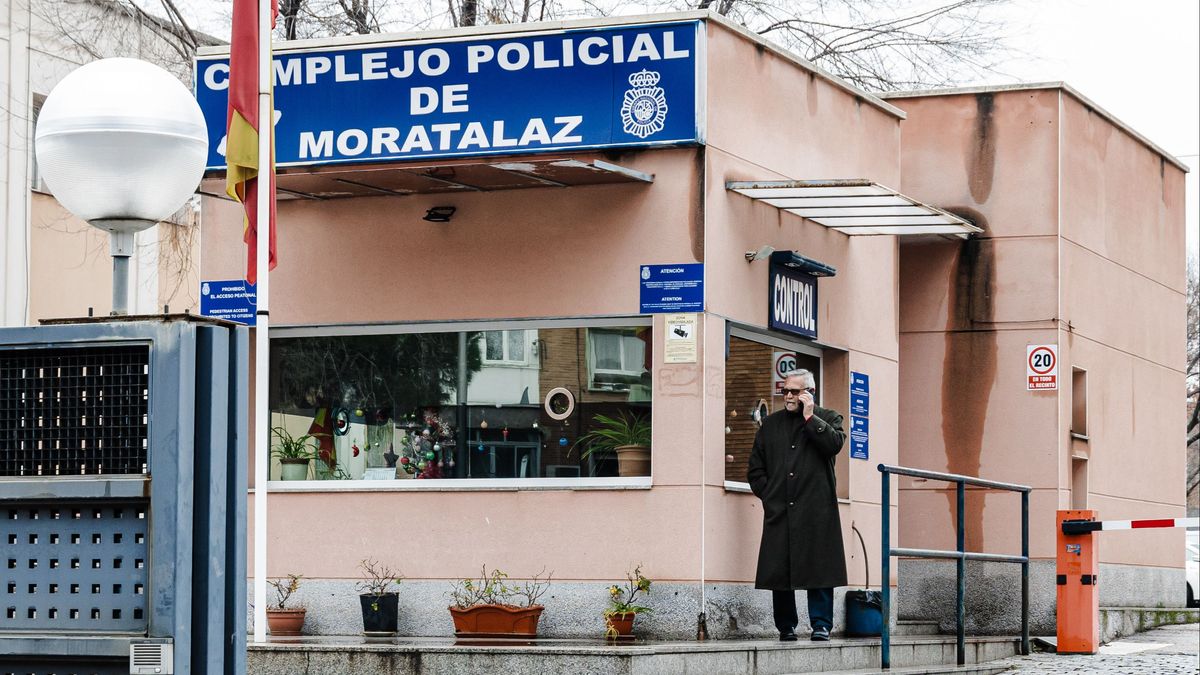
x=701, y=619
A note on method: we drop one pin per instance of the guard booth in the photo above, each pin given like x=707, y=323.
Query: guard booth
x=121, y=496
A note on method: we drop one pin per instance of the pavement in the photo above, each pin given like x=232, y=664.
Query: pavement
x=1169, y=650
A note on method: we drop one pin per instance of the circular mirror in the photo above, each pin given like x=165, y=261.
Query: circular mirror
x=560, y=403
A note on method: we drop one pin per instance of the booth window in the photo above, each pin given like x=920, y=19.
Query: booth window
x=1079, y=406
x=498, y=403
x=752, y=391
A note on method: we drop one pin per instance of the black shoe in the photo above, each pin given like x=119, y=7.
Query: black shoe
x=820, y=635
x=787, y=635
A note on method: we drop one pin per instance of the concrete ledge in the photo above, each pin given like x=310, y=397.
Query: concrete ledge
x=440, y=656
x=1117, y=622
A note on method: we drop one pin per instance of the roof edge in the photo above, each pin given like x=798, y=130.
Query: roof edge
x=572, y=24
x=1059, y=85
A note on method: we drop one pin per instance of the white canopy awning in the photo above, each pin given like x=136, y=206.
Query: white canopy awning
x=854, y=206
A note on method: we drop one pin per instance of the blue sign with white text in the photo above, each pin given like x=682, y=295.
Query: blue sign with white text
x=860, y=383
x=860, y=404
x=672, y=288
x=503, y=94
x=232, y=300
x=859, y=438
x=860, y=409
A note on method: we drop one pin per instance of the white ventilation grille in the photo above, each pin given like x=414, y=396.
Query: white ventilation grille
x=150, y=658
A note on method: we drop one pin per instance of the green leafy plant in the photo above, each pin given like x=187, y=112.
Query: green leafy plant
x=377, y=580
x=288, y=446
x=611, y=433
x=284, y=588
x=623, y=600
x=493, y=588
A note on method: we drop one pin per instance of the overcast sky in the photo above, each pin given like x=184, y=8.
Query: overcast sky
x=1138, y=60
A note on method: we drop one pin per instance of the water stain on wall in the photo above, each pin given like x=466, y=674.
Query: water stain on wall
x=981, y=156
x=969, y=367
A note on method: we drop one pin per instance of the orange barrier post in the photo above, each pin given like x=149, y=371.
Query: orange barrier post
x=1077, y=569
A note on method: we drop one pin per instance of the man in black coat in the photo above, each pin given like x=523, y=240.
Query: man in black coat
x=791, y=471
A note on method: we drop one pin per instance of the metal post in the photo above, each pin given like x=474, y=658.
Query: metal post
x=462, y=454
x=885, y=562
x=1025, y=574
x=960, y=606
x=120, y=289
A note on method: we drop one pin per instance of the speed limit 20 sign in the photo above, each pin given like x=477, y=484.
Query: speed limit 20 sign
x=1041, y=367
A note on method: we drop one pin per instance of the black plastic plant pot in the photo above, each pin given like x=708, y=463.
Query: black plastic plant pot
x=380, y=613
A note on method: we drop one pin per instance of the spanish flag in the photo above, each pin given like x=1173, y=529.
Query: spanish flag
x=241, y=144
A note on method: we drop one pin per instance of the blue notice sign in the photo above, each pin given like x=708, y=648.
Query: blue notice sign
x=672, y=288
x=232, y=300
x=860, y=383
x=859, y=435
x=549, y=91
x=860, y=404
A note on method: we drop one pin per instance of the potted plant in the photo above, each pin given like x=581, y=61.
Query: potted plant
x=294, y=453
x=490, y=607
x=281, y=619
x=622, y=604
x=627, y=434
x=380, y=604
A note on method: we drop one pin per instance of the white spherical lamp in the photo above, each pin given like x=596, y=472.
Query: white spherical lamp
x=122, y=144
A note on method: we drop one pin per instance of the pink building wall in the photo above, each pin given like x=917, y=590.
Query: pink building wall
x=1083, y=247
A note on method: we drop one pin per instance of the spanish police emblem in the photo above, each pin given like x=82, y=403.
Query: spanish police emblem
x=644, y=109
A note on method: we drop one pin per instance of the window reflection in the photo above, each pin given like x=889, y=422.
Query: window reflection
x=460, y=404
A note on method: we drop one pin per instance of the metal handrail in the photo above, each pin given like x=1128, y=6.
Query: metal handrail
x=961, y=554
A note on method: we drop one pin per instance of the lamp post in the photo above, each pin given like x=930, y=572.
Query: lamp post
x=121, y=144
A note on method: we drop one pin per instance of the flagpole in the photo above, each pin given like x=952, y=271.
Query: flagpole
x=262, y=349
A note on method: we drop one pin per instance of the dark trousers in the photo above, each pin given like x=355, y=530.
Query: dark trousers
x=820, y=609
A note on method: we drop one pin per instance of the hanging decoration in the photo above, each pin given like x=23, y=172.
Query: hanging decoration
x=424, y=454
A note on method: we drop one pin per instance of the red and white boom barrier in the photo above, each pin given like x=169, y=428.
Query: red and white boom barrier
x=1077, y=567
x=1085, y=526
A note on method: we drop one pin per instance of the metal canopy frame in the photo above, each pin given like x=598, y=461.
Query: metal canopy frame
x=339, y=181
x=854, y=206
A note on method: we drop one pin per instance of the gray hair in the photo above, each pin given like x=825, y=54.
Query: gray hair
x=802, y=373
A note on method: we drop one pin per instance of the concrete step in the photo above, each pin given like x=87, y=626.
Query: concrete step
x=329, y=655
x=976, y=669
x=915, y=627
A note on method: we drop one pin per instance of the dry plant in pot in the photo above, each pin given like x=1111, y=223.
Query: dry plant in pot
x=491, y=606
x=623, y=605
x=281, y=619
x=380, y=604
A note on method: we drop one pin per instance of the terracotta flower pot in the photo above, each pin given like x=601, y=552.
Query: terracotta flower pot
x=633, y=460
x=621, y=624
x=283, y=622
x=496, y=621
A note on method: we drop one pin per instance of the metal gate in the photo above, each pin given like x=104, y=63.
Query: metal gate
x=122, y=496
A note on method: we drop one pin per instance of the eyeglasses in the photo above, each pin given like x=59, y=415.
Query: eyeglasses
x=797, y=392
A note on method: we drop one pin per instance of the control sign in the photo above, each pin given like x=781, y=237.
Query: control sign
x=1041, y=367
x=232, y=300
